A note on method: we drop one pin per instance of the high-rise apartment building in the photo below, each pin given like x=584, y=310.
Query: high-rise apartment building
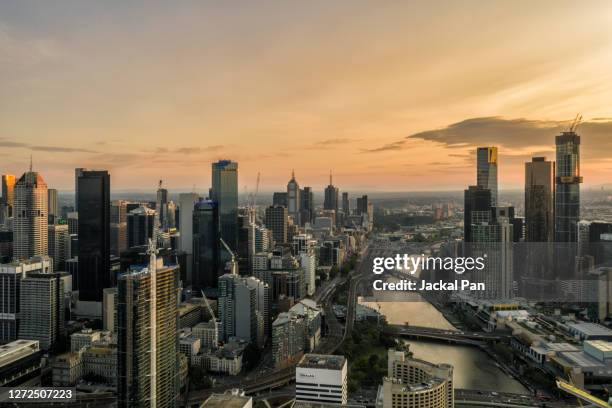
x=93, y=198
x=293, y=199
x=41, y=315
x=225, y=192
x=539, y=200
x=276, y=221
x=161, y=206
x=486, y=170
x=346, y=205
x=147, y=340
x=30, y=216
x=567, y=192
x=206, y=245
x=413, y=383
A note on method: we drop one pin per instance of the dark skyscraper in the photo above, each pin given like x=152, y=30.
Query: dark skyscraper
x=276, y=221
x=293, y=198
x=225, y=192
x=539, y=200
x=486, y=171
x=346, y=206
x=477, y=209
x=206, y=245
x=280, y=198
x=567, y=194
x=362, y=204
x=331, y=196
x=94, y=235
x=307, y=207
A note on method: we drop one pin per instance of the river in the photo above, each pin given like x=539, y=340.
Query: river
x=474, y=369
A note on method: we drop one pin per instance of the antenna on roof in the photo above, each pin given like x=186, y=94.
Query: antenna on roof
x=30, y=162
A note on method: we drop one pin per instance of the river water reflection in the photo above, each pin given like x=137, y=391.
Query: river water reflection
x=473, y=367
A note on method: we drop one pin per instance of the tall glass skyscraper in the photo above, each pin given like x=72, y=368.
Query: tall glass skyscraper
x=567, y=194
x=206, y=262
x=225, y=192
x=539, y=200
x=486, y=171
x=331, y=196
x=94, y=273
x=293, y=199
x=30, y=216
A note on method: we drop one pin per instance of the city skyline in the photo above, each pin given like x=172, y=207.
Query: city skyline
x=270, y=96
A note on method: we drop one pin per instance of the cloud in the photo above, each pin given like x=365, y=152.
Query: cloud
x=388, y=147
x=52, y=149
x=327, y=143
x=514, y=137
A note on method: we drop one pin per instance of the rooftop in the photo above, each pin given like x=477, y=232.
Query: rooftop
x=226, y=401
x=590, y=329
x=322, y=361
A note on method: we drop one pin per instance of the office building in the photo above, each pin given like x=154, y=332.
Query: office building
x=94, y=235
x=308, y=263
x=109, y=310
x=30, y=216
x=280, y=198
x=321, y=378
x=140, y=226
x=161, y=206
x=276, y=221
x=331, y=196
x=228, y=400
x=41, y=313
x=147, y=342
x=225, y=192
x=10, y=288
x=8, y=186
x=539, y=200
x=52, y=205
x=118, y=227
x=206, y=245
x=346, y=205
x=413, y=383
x=59, y=245
x=293, y=199
x=20, y=361
x=476, y=209
x=486, y=171
x=567, y=192
x=362, y=205
x=307, y=205
x=77, y=173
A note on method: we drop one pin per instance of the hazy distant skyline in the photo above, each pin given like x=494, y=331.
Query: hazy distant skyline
x=390, y=96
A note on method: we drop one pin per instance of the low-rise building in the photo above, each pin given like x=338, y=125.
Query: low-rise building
x=67, y=369
x=20, y=361
x=234, y=399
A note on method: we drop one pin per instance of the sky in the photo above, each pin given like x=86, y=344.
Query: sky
x=389, y=96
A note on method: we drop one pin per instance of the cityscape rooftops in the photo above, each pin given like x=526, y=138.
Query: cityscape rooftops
x=322, y=361
x=16, y=350
x=226, y=401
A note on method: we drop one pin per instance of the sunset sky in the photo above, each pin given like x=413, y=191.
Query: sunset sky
x=389, y=95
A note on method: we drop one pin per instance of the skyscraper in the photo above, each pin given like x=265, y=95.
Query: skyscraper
x=346, y=205
x=118, y=227
x=276, y=221
x=477, y=209
x=206, y=246
x=539, y=200
x=307, y=206
x=140, y=226
x=225, y=192
x=147, y=341
x=161, y=207
x=567, y=194
x=486, y=170
x=331, y=196
x=42, y=308
x=8, y=185
x=52, y=205
x=94, y=234
x=59, y=245
x=30, y=216
x=77, y=173
x=293, y=199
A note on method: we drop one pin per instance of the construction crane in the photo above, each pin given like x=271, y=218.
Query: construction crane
x=232, y=262
x=575, y=123
x=212, y=315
